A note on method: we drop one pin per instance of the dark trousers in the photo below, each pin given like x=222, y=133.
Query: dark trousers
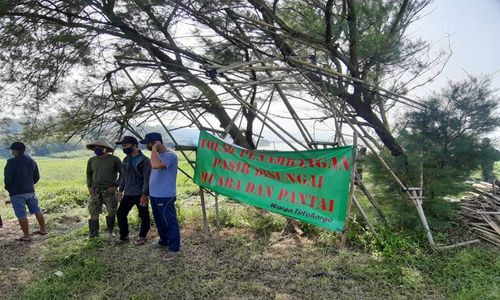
x=166, y=222
x=121, y=214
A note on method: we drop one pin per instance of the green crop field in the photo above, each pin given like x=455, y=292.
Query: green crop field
x=253, y=256
x=62, y=185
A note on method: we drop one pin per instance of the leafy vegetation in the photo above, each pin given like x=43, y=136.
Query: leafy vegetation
x=446, y=136
x=445, y=141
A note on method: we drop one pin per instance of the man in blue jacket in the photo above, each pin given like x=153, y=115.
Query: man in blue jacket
x=20, y=176
x=133, y=189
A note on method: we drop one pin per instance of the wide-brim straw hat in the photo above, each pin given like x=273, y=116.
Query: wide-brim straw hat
x=101, y=143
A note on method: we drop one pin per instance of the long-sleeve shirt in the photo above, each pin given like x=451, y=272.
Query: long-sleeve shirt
x=103, y=171
x=20, y=175
x=134, y=180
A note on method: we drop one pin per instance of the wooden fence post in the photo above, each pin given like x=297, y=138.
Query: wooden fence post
x=205, y=228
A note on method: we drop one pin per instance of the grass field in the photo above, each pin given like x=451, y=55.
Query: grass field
x=252, y=257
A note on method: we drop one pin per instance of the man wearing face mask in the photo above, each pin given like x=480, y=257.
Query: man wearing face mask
x=103, y=170
x=134, y=189
x=20, y=176
x=162, y=191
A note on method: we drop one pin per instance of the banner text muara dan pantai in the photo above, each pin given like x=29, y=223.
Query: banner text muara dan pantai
x=310, y=185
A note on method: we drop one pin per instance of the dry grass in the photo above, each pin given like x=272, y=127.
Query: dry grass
x=239, y=263
x=248, y=259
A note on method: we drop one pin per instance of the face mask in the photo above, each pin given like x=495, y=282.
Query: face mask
x=128, y=150
x=99, y=151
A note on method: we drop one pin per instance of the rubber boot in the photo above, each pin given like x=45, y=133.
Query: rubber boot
x=93, y=228
x=110, y=221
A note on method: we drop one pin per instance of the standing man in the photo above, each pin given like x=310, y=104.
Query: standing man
x=162, y=191
x=102, y=180
x=134, y=189
x=20, y=176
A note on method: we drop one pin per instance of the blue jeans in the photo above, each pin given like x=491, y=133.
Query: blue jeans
x=19, y=203
x=166, y=222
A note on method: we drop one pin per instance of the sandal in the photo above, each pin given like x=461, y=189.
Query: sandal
x=23, y=239
x=40, y=233
x=141, y=241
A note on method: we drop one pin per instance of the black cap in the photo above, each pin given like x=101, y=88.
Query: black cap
x=17, y=146
x=128, y=140
x=152, y=137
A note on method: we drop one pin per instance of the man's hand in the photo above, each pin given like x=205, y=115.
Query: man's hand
x=144, y=200
x=155, y=161
x=112, y=189
x=159, y=147
x=119, y=196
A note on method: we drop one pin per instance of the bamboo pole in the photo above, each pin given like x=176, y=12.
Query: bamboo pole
x=372, y=200
x=206, y=229
x=419, y=196
x=298, y=121
x=265, y=116
x=417, y=200
x=459, y=244
x=236, y=66
x=351, y=192
x=365, y=217
x=384, y=163
x=155, y=113
x=257, y=115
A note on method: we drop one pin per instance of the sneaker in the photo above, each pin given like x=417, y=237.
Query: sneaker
x=159, y=246
x=169, y=256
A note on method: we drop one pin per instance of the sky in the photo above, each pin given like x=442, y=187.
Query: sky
x=474, y=30
x=471, y=29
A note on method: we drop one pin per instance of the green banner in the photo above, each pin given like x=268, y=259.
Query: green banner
x=311, y=186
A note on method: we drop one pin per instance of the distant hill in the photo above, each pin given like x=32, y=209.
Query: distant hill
x=183, y=137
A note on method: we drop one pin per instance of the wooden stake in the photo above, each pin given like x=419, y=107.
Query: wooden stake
x=205, y=228
x=351, y=191
x=217, y=217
